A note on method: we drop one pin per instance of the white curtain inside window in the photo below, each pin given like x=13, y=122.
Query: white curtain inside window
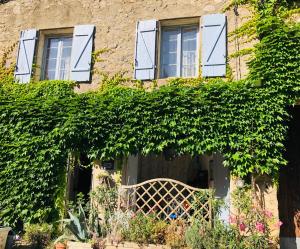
x=189, y=52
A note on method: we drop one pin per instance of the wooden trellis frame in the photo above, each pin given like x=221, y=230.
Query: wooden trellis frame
x=167, y=199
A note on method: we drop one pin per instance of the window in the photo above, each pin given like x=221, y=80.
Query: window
x=58, y=57
x=60, y=54
x=179, y=47
x=179, y=51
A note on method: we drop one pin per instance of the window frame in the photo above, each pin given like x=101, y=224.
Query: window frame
x=178, y=24
x=45, y=53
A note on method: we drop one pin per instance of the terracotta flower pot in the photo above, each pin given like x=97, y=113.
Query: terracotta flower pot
x=60, y=245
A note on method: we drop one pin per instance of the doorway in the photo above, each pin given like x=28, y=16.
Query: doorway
x=80, y=178
x=289, y=185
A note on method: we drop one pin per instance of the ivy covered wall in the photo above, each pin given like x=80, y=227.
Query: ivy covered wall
x=40, y=123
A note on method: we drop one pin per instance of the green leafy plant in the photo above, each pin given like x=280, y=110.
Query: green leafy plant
x=249, y=228
x=252, y=222
x=204, y=236
x=38, y=235
x=78, y=225
x=158, y=234
x=81, y=227
x=137, y=228
x=119, y=223
x=140, y=229
x=104, y=198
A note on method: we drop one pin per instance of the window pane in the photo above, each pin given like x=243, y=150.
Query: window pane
x=51, y=64
x=52, y=53
x=67, y=42
x=64, y=69
x=53, y=43
x=189, y=45
x=169, y=70
x=66, y=53
x=169, y=52
x=189, y=52
x=51, y=58
x=50, y=75
x=170, y=58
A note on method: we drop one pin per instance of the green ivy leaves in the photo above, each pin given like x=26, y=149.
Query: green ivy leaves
x=38, y=129
x=247, y=121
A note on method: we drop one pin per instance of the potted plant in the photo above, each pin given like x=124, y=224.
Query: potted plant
x=60, y=245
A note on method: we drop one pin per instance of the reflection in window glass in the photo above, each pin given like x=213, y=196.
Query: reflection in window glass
x=58, y=56
x=169, y=53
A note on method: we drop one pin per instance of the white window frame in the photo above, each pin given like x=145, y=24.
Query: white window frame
x=179, y=49
x=59, y=54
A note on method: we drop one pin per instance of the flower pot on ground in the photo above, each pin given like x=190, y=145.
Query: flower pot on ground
x=60, y=245
x=3, y=236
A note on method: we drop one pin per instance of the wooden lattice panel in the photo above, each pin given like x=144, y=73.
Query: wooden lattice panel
x=167, y=199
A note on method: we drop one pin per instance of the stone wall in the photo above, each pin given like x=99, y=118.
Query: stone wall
x=125, y=245
x=115, y=22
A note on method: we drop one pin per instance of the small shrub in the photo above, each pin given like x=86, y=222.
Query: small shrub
x=193, y=237
x=143, y=229
x=140, y=229
x=38, y=235
x=203, y=236
x=118, y=223
x=159, y=232
x=249, y=228
x=175, y=234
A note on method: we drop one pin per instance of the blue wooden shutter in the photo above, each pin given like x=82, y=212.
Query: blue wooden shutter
x=214, y=45
x=25, y=55
x=145, y=50
x=81, y=56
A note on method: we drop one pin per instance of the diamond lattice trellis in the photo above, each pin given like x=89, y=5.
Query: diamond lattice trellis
x=167, y=199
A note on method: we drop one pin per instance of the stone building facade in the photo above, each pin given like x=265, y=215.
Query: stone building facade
x=115, y=24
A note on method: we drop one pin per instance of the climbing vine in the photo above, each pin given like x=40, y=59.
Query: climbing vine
x=246, y=120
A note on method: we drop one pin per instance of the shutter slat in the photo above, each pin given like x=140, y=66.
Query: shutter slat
x=81, y=56
x=145, y=50
x=214, y=45
x=25, y=55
